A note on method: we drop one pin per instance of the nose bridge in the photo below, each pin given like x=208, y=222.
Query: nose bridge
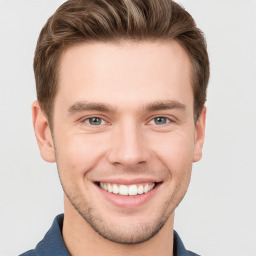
x=129, y=145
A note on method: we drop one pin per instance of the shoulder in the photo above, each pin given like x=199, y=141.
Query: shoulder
x=29, y=253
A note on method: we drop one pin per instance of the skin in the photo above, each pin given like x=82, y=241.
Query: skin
x=136, y=82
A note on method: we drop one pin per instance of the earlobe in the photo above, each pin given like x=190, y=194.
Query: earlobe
x=43, y=133
x=199, y=136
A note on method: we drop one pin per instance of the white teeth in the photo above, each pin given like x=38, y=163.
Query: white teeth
x=110, y=188
x=115, y=189
x=140, y=190
x=123, y=190
x=131, y=190
x=151, y=186
x=145, y=189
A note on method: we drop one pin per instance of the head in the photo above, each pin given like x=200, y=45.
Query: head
x=121, y=88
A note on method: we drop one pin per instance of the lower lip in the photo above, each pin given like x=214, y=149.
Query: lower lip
x=128, y=201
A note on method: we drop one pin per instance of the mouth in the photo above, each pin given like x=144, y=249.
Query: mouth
x=127, y=194
x=127, y=190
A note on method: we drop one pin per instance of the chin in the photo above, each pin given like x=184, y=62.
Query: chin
x=127, y=233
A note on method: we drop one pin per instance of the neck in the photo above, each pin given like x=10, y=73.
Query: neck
x=81, y=239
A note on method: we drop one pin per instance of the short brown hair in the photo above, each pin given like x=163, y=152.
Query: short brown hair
x=78, y=21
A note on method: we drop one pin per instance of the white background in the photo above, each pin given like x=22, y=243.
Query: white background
x=218, y=215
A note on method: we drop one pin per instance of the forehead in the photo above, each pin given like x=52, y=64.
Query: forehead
x=125, y=72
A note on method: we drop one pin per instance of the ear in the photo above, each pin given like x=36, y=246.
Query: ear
x=199, y=136
x=43, y=133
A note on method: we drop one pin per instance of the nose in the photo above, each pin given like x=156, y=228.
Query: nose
x=129, y=146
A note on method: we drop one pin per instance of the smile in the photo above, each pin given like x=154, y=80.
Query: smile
x=127, y=193
x=125, y=190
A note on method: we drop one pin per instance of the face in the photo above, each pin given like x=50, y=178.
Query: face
x=124, y=135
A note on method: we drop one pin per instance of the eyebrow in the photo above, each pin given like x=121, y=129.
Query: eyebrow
x=90, y=106
x=151, y=107
x=165, y=105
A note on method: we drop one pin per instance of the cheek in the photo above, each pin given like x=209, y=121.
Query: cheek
x=176, y=152
x=78, y=154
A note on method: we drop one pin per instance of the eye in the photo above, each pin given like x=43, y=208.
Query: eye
x=160, y=120
x=94, y=121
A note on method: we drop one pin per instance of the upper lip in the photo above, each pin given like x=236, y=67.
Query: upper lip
x=128, y=181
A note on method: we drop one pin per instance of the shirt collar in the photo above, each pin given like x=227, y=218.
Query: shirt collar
x=179, y=248
x=53, y=243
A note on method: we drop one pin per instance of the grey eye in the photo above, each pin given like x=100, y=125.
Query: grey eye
x=160, y=120
x=94, y=121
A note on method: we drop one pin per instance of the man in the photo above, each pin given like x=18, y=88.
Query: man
x=121, y=87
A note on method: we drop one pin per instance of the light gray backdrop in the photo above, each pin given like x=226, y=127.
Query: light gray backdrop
x=218, y=215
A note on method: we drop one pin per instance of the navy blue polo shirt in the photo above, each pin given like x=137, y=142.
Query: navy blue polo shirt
x=53, y=244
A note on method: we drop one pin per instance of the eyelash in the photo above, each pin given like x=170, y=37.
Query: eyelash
x=88, y=119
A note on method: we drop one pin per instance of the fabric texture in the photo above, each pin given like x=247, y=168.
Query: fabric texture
x=53, y=244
